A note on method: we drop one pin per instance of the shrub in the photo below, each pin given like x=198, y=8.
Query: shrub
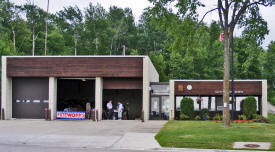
x=249, y=107
x=187, y=107
x=217, y=117
x=184, y=117
x=204, y=112
x=207, y=117
x=260, y=118
x=242, y=117
x=197, y=117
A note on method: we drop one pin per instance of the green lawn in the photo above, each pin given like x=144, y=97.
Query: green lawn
x=212, y=135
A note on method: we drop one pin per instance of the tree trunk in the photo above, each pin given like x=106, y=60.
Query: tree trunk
x=33, y=40
x=226, y=113
x=14, y=43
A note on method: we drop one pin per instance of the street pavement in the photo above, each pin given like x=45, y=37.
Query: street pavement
x=77, y=135
x=84, y=136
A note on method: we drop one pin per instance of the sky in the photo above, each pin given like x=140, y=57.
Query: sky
x=138, y=6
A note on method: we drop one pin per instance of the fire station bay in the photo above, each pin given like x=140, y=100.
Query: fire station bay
x=66, y=84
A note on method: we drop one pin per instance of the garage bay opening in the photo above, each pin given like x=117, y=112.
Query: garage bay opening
x=127, y=91
x=74, y=94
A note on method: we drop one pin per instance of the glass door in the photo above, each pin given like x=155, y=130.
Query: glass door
x=165, y=105
x=155, y=108
x=159, y=108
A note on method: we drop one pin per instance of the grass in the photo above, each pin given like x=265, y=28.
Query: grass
x=212, y=135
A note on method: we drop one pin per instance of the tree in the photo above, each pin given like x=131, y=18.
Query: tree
x=269, y=65
x=70, y=21
x=98, y=31
x=35, y=19
x=231, y=13
x=11, y=19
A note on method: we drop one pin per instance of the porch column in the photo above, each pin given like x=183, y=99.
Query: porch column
x=264, y=98
x=6, y=98
x=172, y=100
x=53, y=96
x=98, y=96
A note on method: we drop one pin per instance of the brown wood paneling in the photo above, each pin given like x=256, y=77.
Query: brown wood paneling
x=75, y=66
x=216, y=87
x=122, y=83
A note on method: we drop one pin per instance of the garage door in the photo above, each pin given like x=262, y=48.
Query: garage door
x=29, y=97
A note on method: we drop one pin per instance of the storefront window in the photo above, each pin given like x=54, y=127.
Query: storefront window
x=155, y=106
x=178, y=100
x=165, y=105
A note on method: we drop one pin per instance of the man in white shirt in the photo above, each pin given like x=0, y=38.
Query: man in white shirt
x=110, y=109
x=119, y=110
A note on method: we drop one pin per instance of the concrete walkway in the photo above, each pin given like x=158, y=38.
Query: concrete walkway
x=271, y=108
x=106, y=135
x=84, y=136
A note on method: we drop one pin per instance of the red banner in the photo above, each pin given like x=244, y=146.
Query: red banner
x=70, y=115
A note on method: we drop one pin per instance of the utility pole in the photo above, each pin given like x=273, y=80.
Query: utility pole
x=123, y=53
x=46, y=33
x=75, y=44
x=232, y=77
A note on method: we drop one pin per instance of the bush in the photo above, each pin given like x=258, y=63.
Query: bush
x=197, y=117
x=187, y=107
x=217, y=117
x=184, y=117
x=249, y=107
x=260, y=118
x=204, y=112
x=242, y=117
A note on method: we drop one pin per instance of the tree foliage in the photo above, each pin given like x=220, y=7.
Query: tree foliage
x=249, y=107
x=187, y=107
x=179, y=45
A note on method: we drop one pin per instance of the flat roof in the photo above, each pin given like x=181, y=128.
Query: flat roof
x=47, y=56
x=216, y=80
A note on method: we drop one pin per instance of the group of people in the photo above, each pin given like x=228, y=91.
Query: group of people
x=111, y=111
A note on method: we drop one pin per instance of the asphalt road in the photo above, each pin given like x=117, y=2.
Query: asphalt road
x=84, y=136
x=59, y=135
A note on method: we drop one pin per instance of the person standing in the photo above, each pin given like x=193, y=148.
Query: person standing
x=119, y=110
x=110, y=109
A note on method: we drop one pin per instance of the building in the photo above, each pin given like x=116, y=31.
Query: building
x=66, y=83
x=31, y=84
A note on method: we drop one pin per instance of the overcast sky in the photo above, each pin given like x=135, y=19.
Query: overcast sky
x=137, y=7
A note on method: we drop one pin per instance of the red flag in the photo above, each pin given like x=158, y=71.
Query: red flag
x=221, y=37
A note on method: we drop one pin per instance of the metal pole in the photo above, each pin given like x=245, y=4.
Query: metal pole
x=46, y=34
x=232, y=76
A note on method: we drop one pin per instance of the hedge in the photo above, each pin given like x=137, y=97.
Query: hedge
x=249, y=107
x=187, y=107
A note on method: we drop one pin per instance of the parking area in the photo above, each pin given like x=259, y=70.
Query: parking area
x=108, y=135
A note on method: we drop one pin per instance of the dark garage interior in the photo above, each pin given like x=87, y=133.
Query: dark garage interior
x=130, y=98
x=73, y=94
